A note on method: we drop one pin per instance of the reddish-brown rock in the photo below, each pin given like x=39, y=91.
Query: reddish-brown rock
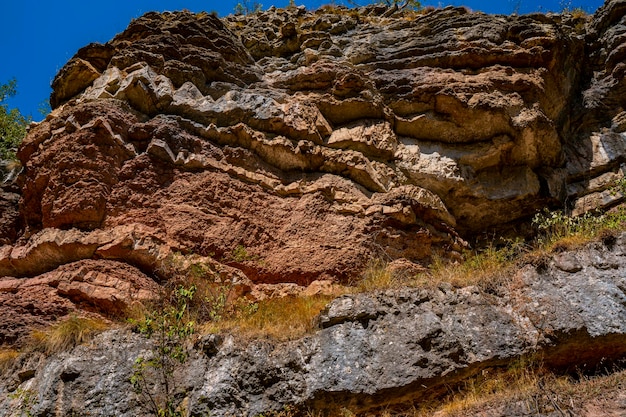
x=279, y=154
x=98, y=286
x=284, y=153
x=9, y=217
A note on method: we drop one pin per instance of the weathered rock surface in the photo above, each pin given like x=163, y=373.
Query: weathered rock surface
x=9, y=216
x=82, y=270
x=372, y=350
x=291, y=147
x=318, y=146
x=97, y=286
x=595, y=154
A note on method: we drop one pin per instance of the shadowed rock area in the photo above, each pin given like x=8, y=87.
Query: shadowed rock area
x=293, y=147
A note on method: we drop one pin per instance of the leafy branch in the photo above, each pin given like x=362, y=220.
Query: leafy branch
x=153, y=376
x=12, y=123
x=248, y=7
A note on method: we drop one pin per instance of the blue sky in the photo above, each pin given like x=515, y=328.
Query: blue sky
x=38, y=38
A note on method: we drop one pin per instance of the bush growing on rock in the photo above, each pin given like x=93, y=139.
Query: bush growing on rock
x=12, y=123
x=402, y=4
x=248, y=7
x=153, y=376
x=399, y=4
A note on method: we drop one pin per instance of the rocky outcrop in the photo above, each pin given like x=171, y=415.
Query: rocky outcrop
x=93, y=286
x=595, y=151
x=291, y=147
x=319, y=145
x=90, y=271
x=371, y=351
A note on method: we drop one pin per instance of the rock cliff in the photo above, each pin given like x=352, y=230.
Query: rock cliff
x=373, y=351
x=291, y=146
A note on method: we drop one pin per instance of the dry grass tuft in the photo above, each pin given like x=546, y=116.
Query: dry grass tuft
x=66, y=334
x=579, y=13
x=519, y=380
x=377, y=276
x=486, y=268
x=289, y=411
x=489, y=267
x=7, y=358
x=529, y=386
x=283, y=318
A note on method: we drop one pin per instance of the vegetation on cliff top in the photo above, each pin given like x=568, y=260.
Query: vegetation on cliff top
x=12, y=123
x=250, y=6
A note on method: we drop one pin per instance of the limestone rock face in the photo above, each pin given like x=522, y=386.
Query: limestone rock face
x=595, y=153
x=288, y=149
x=372, y=351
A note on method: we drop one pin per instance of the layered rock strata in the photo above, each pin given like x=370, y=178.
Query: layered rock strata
x=293, y=146
x=315, y=141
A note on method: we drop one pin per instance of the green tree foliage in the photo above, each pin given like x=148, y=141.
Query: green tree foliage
x=12, y=123
x=402, y=4
x=247, y=7
x=44, y=108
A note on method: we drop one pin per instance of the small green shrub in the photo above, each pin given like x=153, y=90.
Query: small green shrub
x=556, y=227
x=12, y=124
x=218, y=302
x=27, y=401
x=619, y=187
x=215, y=299
x=169, y=327
x=240, y=254
x=248, y=7
x=403, y=4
